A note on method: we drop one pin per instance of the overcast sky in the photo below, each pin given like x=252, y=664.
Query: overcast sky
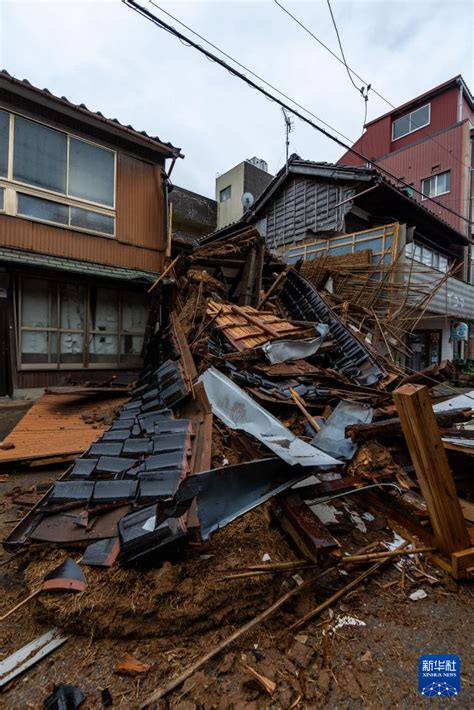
x=101, y=53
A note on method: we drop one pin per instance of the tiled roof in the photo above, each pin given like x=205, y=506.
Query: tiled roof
x=85, y=268
x=153, y=141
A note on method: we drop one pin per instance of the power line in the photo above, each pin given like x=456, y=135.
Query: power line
x=374, y=91
x=212, y=57
x=363, y=90
x=242, y=66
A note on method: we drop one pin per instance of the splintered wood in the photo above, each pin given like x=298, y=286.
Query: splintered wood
x=246, y=327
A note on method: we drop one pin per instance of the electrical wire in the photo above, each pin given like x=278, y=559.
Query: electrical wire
x=242, y=66
x=363, y=90
x=374, y=91
x=212, y=57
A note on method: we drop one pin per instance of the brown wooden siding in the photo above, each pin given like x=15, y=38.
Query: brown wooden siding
x=140, y=237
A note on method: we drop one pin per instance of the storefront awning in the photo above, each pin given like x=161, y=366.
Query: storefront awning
x=22, y=257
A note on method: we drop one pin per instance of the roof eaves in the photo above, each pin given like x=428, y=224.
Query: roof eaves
x=110, y=124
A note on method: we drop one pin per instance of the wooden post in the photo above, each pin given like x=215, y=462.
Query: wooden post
x=431, y=465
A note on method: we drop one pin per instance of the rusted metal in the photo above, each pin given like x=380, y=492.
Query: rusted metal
x=55, y=426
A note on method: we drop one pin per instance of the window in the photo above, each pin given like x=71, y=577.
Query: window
x=4, y=142
x=225, y=194
x=91, y=172
x=46, y=162
x=39, y=155
x=427, y=256
x=437, y=185
x=55, y=332
x=411, y=122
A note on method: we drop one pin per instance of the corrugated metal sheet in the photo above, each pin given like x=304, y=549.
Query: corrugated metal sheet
x=377, y=139
x=55, y=426
x=30, y=379
x=417, y=163
x=305, y=205
x=140, y=227
x=454, y=298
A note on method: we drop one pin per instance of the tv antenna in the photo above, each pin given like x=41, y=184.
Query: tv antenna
x=289, y=127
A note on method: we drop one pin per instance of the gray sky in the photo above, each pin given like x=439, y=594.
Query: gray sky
x=101, y=53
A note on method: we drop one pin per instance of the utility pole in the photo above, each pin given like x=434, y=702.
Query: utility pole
x=289, y=126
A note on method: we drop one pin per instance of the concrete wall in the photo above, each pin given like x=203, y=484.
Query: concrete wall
x=194, y=215
x=230, y=210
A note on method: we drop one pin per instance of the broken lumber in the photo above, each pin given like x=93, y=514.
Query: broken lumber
x=342, y=592
x=429, y=458
x=359, y=433
x=161, y=692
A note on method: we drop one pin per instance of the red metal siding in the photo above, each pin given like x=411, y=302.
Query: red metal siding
x=377, y=140
x=417, y=162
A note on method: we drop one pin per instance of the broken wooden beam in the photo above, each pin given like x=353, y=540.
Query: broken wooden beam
x=393, y=427
x=429, y=458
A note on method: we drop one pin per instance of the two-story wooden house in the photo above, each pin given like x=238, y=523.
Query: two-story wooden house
x=83, y=229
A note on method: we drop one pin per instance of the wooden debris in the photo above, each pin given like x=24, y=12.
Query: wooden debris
x=432, y=469
x=268, y=685
x=341, y=593
x=129, y=665
x=176, y=682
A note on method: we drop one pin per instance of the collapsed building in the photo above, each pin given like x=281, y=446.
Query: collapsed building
x=256, y=395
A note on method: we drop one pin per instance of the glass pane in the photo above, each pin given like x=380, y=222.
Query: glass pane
x=401, y=127
x=71, y=348
x=39, y=155
x=91, y=172
x=4, y=135
x=2, y=198
x=38, y=303
x=103, y=349
x=92, y=220
x=130, y=350
x=39, y=348
x=134, y=312
x=420, y=117
x=409, y=249
x=443, y=183
x=417, y=253
x=72, y=307
x=443, y=264
x=42, y=209
x=428, y=187
x=427, y=256
x=104, y=309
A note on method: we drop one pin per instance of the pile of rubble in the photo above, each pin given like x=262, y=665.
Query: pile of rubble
x=257, y=397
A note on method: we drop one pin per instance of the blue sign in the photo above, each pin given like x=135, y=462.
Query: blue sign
x=439, y=675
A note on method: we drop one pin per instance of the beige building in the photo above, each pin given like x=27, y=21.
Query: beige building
x=250, y=176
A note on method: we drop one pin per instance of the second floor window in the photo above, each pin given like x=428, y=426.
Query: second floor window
x=411, y=122
x=57, y=177
x=225, y=194
x=437, y=185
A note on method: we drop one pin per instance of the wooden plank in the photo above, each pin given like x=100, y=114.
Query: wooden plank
x=431, y=465
x=463, y=563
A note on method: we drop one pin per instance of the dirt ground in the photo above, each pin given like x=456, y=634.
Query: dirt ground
x=167, y=616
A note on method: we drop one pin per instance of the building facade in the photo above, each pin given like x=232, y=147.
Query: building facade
x=251, y=176
x=428, y=143
x=192, y=215
x=310, y=209
x=83, y=230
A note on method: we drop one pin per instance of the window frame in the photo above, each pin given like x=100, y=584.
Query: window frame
x=18, y=186
x=435, y=177
x=87, y=332
x=409, y=116
x=224, y=189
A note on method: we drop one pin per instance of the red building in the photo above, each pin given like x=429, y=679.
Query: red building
x=428, y=143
